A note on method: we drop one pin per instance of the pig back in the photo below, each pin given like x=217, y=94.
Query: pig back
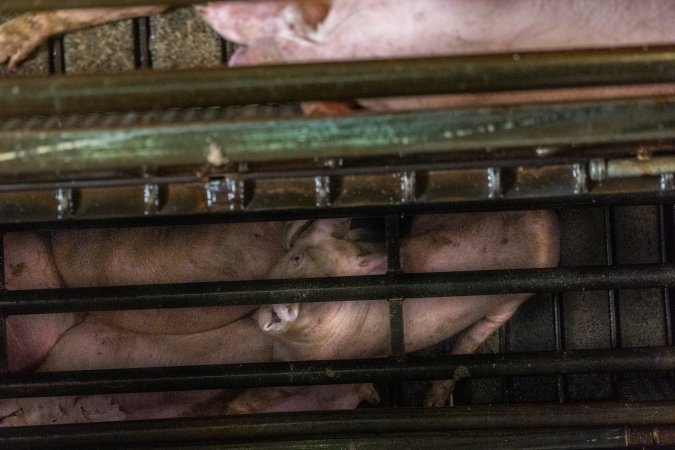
x=160, y=255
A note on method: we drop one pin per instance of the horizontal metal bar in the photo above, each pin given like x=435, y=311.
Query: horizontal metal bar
x=42, y=384
x=551, y=438
x=322, y=423
x=43, y=5
x=367, y=134
x=373, y=287
x=141, y=90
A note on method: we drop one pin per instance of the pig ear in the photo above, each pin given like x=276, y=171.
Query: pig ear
x=292, y=230
x=336, y=228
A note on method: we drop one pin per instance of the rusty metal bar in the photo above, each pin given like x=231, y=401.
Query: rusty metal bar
x=371, y=287
x=404, y=133
x=143, y=90
x=350, y=423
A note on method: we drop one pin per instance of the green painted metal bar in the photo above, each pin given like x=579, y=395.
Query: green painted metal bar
x=34, y=151
x=142, y=90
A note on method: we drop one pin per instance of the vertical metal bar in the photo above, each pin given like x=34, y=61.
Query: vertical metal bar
x=56, y=58
x=142, y=54
x=666, y=255
x=504, y=348
x=391, y=232
x=559, y=340
x=612, y=294
x=3, y=319
x=228, y=48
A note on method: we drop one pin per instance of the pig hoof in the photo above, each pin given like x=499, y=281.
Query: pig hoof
x=438, y=394
x=19, y=37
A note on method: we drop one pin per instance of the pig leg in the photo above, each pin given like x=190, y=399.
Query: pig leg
x=20, y=36
x=306, y=398
x=468, y=342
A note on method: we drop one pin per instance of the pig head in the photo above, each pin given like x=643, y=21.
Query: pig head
x=320, y=249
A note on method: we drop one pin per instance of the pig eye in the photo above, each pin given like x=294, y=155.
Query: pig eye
x=295, y=259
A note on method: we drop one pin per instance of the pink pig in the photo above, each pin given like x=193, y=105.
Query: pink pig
x=360, y=329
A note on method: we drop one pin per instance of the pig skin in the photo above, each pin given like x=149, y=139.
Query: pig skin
x=181, y=254
x=371, y=29
x=92, y=345
x=341, y=330
x=29, y=265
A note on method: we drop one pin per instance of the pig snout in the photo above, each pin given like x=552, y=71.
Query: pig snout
x=274, y=319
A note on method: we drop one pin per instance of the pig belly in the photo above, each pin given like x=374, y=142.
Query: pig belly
x=162, y=255
x=29, y=265
x=92, y=345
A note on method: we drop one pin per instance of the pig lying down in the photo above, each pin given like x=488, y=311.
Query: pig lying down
x=455, y=242
x=334, y=330
x=293, y=31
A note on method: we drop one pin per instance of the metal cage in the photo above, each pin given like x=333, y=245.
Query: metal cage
x=587, y=363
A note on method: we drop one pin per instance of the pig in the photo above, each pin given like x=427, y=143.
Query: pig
x=153, y=338
x=101, y=257
x=285, y=31
x=117, y=339
x=360, y=329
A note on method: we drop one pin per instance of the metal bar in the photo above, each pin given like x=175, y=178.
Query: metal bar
x=554, y=438
x=665, y=233
x=613, y=302
x=301, y=373
x=396, y=326
x=324, y=423
x=3, y=318
x=371, y=287
x=142, y=54
x=504, y=344
x=50, y=222
x=391, y=229
x=372, y=134
x=335, y=80
x=44, y=5
x=559, y=331
x=610, y=245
